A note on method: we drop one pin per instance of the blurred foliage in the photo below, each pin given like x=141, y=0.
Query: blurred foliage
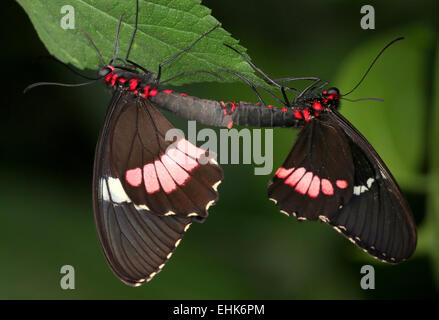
x=246, y=249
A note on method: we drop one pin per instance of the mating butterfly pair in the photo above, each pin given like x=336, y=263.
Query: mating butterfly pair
x=147, y=191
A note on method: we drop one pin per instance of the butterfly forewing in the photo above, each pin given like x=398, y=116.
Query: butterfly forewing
x=334, y=174
x=317, y=176
x=141, y=218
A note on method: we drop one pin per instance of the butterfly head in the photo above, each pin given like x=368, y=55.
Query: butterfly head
x=330, y=99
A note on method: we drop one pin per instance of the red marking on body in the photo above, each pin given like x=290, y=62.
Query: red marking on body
x=222, y=104
x=145, y=91
x=110, y=67
x=150, y=178
x=108, y=77
x=342, y=184
x=230, y=125
x=283, y=173
x=284, y=109
x=166, y=181
x=316, y=114
x=122, y=80
x=168, y=91
x=233, y=106
x=303, y=185
x=136, y=91
x=133, y=83
x=113, y=79
x=306, y=114
x=225, y=112
x=190, y=149
x=314, y=187
x=134, y=177
x=178, y=174
x=269, y=106
x=317, y=105
x=325, y=100
x=295, y=176
x=327, y=187
x=183, y=160
x=183, y=94
x=153, y=92
x=297, y=114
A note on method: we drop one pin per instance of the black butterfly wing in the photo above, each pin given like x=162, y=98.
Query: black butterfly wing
x=369, y=209
x=378, y=218
x=317, y=176
x=137, y=241
x=165, y=177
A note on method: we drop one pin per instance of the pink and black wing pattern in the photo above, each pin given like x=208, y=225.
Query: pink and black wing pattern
x=333, y=174
x=141, y=216
x=317, y=175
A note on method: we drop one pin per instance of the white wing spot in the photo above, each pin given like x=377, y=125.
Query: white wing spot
x=324, y=219
x=169, y=213
x=301, y=218
x=169, y=255
x=142, y=207
x=342, y=228
x=187, y=227
x=369, y=182
x=117, y=193
x=337, y=229
x=274, y=200
x=209, y=204
x=193, y=214
x=177, y=243
x=285, y=213
x=215, y=186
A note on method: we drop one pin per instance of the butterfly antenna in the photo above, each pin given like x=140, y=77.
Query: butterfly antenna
x=116, y=42
x=38, y=84
x=373, y=62
x=134, y=32
x=94, y=46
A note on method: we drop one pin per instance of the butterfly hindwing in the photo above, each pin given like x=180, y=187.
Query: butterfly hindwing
x=377, y=218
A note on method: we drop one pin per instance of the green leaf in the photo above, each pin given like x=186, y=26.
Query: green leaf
x=395, y=127
x=165, y=28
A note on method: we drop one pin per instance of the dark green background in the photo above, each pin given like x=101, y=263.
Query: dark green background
x=246, y=249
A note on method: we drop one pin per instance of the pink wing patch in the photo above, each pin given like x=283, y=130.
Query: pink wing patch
x=295, y=177
x=150, y=178
x=303, y=185
x=314, y=188
x=169, y=170
x=327, y=187
x=342, y=184
x=305, y=182
x=134, y=177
